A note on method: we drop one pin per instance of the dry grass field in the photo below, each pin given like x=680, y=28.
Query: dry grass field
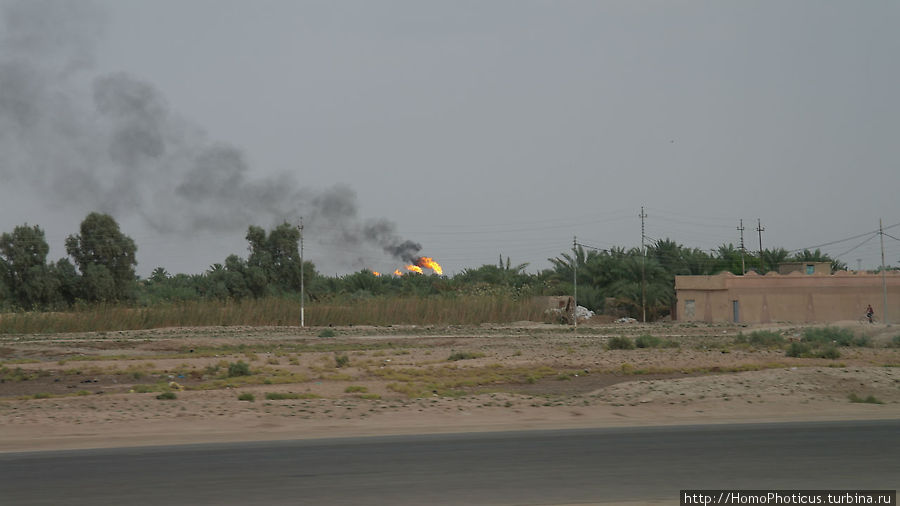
x=179, y=385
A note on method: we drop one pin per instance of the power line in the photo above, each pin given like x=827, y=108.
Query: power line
x=844, y=240
x=857, y=246
x=590, y=247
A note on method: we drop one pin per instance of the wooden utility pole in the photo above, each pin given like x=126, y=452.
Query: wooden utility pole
x=760, y=229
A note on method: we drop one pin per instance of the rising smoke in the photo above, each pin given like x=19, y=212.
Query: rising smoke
x=121, y=148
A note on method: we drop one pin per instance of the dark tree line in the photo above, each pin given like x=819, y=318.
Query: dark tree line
x=103, y=269
x=100, y=267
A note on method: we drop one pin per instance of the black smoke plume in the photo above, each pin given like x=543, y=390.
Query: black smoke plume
x=115, y=143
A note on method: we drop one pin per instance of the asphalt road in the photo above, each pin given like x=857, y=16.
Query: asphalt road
x=540, y=467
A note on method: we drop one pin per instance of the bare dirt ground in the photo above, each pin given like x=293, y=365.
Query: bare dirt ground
x=101, y=389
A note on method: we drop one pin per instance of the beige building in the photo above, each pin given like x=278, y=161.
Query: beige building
x=793, y=297
x=805, y=267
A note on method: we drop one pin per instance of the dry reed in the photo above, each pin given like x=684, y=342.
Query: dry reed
x=275, y=311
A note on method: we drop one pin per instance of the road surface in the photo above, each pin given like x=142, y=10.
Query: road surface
x=535, y=467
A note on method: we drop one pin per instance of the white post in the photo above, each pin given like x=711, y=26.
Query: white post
x=302, y=294
x=884, y=306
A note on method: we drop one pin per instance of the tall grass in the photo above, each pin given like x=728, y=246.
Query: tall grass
x=470, y=310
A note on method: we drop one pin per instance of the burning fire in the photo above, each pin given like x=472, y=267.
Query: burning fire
x=417, y=266
x=431, y=264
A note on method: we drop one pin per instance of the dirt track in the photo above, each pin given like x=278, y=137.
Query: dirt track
x=100, y=389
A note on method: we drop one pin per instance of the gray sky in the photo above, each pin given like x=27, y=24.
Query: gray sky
x=473, y=128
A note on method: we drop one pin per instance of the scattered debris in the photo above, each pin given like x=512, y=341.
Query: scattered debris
x=583, y=313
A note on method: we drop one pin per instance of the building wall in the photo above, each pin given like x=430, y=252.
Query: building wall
x=793, y=297
x=805, y=267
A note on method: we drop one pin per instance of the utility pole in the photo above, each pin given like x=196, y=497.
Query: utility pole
x=884, y=310
x=302, y=294
x=858, y=264
x=741, y=229
x=760, y=229
x=575, y=282
x=643, y=269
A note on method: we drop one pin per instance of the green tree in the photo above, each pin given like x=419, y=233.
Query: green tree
x=276, y=255
x=6, y=300
x=679, y=260
x=504, y=273
x=159, y=275
x=68, y=280
x=772, y=258
x=105, y=257
x=729, y=259
x=215, y=282
x=29, y=280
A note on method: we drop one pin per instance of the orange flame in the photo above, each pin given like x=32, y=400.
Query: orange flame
x=376, y=273
x=414, y=268
x=398, y=273
x=431, y=264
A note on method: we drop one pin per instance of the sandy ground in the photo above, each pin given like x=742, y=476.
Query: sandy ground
x=61, y=391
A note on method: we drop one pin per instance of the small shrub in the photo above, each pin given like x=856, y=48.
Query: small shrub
x=797, y=350
x=279, y=396
x=167, y=396
x=868, y=400
x=247, y=396
x=239, y=368
x=648, y=341
x=895, y=342
x=761, y=338
x=861, y=341
x=620, y=343
x=341, y=360
x=352, y=389
x=146, y=389
x=825, y=335
x=42, y=395
x=327, y=333
x=829, y=352
x=464, y=355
